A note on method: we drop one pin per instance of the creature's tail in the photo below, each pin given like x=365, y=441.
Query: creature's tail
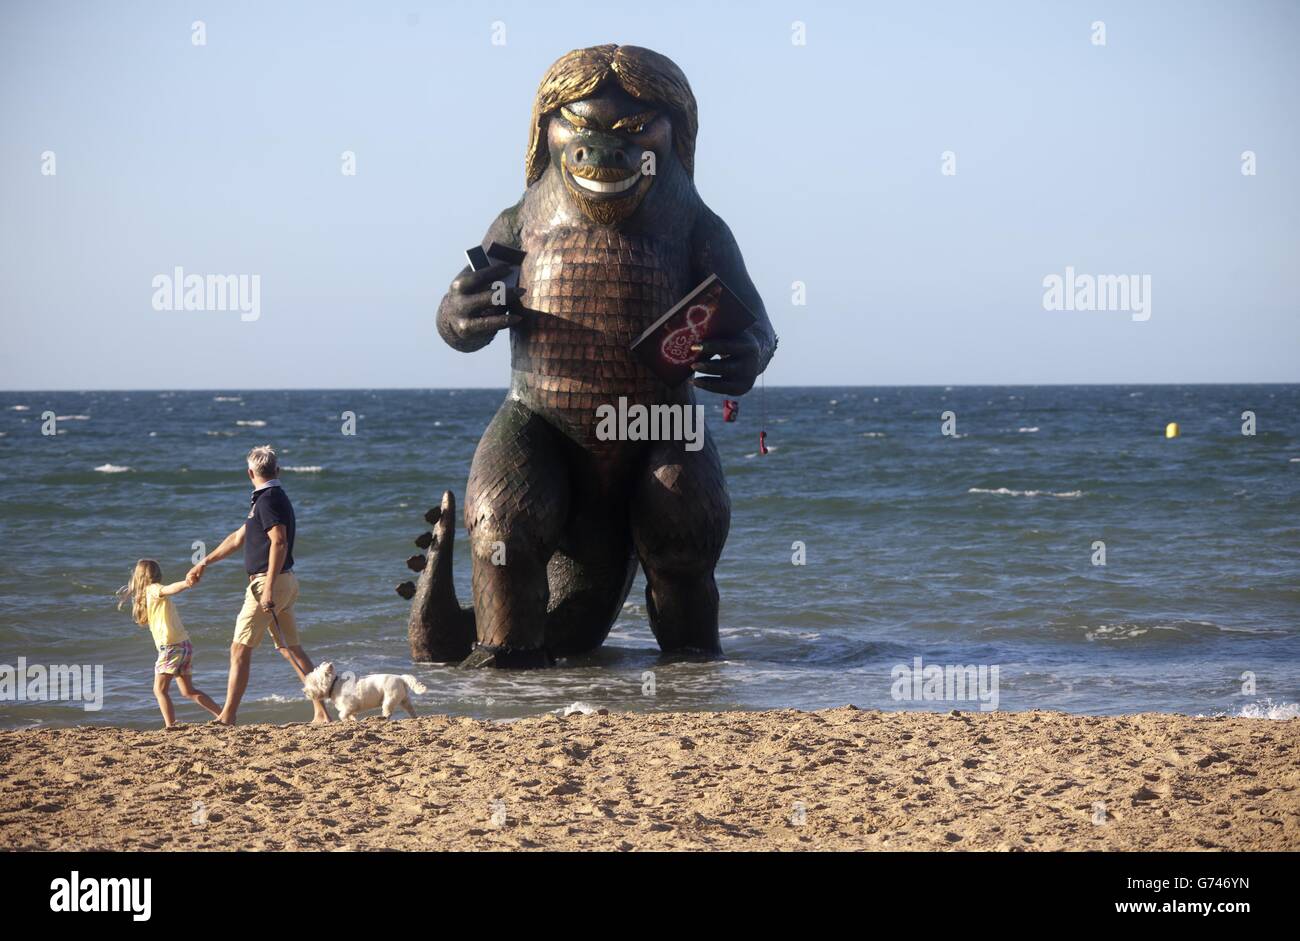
x=440, y=630
x=414, y=685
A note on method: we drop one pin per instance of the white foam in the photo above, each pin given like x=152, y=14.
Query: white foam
x=112, y=469
x=254, y=423
x=72, y=418
x=1027, y=431
x=276, y=697
x=873, y=434
x=1004, y=491
x=226, y=398
x=585, y=708
x=1267, y=709
x=1117, y=632
x=20, y=408
x=306, y=469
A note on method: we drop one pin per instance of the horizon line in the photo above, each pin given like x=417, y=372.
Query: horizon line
x=819, y=385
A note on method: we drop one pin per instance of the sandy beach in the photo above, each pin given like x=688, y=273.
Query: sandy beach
x=842, y=779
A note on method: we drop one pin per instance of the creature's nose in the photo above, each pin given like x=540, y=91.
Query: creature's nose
x=608, y=154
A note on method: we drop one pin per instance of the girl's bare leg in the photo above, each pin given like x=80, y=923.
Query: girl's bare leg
x=160, y=683
x=188, y=690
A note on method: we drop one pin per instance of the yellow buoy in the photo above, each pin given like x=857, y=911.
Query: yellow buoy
x=1171, y=430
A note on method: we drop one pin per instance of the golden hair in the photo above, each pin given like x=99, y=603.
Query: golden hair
x=146, y=572
x=642, y=73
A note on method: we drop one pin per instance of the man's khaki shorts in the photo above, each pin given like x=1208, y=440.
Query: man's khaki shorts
x=253, y=622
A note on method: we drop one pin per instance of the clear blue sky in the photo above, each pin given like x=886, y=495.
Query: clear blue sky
x=824, y=159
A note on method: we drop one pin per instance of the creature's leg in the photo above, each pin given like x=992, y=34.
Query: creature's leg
x=593, y=565
x=680, y=517
x=408, y=706
x=516, y=504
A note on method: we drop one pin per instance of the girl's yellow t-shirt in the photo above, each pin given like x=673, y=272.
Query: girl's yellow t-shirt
x=164, y=620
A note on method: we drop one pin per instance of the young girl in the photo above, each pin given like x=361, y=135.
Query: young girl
x=152, y=607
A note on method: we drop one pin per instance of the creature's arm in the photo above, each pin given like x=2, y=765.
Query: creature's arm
x=741, y=358
x=467, y=318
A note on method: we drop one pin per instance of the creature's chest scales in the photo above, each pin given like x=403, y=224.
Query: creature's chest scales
x=594, y=291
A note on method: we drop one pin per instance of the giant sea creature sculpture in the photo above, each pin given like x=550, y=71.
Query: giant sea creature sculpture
x=614, y=234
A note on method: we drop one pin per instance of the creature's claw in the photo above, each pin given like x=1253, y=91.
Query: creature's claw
x=479, y=658
x=484, y=655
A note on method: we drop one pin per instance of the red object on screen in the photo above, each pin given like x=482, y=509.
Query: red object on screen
x=730, y=409
x=762, y=442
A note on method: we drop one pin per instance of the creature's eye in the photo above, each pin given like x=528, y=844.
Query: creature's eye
x=576, y=120
x=635, y=123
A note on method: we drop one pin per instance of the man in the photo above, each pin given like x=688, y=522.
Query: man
x=267, y=539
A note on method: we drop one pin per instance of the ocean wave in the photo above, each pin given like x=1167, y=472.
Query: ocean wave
x=306, y=469
x=578, y=708
x=252, y=423
x=1004, y=491
x=219, y=434
x=874, y=434
x=1174, y=631
x=1267, y=709
x=20, y=408
x=226, y=398
x=112, y=468
x=1264, y=709
x=1028, y=430
x=72, y=418
x=276, y=697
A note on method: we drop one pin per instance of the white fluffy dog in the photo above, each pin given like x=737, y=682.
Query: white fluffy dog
x=351, y=695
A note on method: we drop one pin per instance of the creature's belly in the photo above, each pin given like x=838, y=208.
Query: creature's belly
x=595, y=291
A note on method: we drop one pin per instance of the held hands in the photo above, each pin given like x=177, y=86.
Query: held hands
x=467, y=316
x=736, y=365
x=192, y=577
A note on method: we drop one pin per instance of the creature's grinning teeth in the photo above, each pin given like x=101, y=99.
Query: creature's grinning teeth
x=596, y=186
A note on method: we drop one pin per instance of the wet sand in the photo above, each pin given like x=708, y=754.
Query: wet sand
x=841, y=779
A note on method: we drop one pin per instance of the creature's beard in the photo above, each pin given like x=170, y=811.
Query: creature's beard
x=606, y=211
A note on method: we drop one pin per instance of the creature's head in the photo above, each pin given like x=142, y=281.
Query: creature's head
x=317, y=683
x=608, y=120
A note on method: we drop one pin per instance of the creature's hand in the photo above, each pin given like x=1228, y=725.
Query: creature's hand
x=736, y=366
x=467, y=317
x=193, y=575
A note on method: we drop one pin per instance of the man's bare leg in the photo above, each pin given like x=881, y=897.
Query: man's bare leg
x=241, y=656
x=302, y=665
